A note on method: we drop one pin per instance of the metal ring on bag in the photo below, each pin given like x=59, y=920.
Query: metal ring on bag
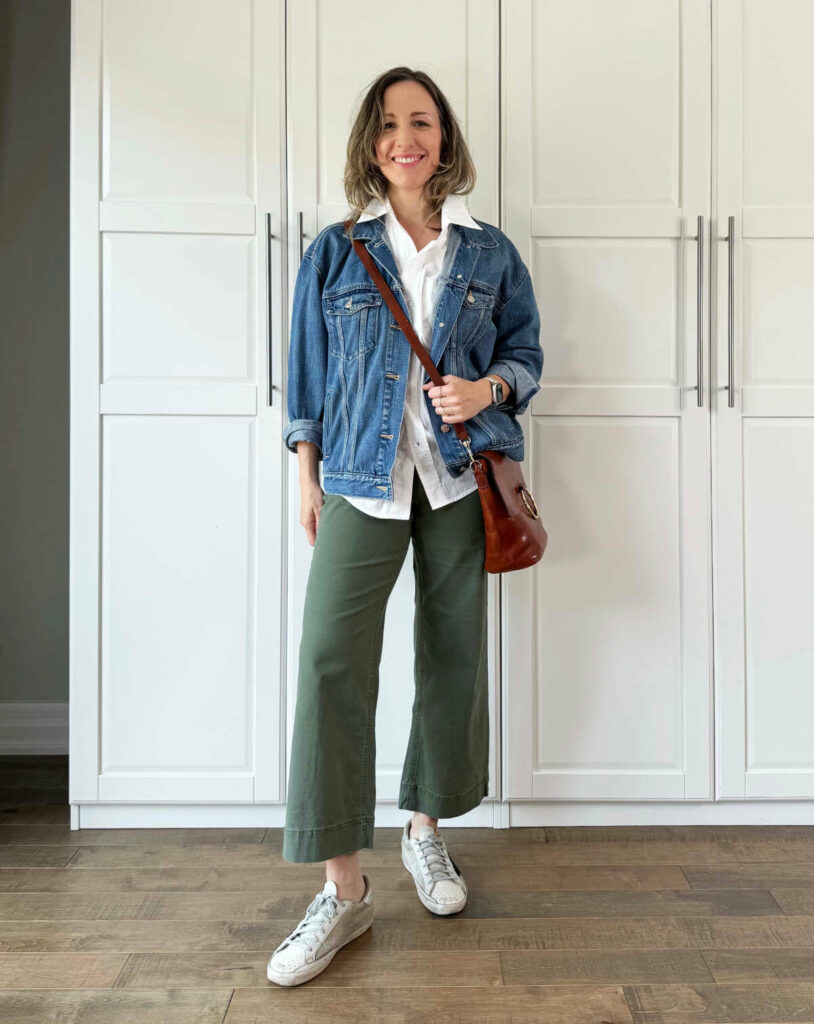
x=525, y=494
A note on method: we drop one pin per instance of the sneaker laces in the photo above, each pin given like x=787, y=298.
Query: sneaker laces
x=434, y=860
x=321, y=909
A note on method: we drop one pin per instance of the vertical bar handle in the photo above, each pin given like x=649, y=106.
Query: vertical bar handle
x=700, y=310
x=731, y=320
x=269, y=237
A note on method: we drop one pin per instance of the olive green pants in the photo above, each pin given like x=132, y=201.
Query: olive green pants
x=355, y=562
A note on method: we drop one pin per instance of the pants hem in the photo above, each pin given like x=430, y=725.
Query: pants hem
x=306, y=845
x=418, y=798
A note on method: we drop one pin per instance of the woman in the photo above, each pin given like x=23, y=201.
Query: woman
x=395, y=471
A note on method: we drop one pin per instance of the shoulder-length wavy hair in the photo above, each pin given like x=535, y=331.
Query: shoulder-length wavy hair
x=363, y=180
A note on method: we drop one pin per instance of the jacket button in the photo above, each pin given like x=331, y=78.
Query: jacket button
x=445, y=427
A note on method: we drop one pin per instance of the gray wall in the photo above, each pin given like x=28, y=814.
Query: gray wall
x=34, y=383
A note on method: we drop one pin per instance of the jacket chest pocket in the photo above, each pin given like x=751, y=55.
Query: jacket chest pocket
x=353, y=322
x=476, y=312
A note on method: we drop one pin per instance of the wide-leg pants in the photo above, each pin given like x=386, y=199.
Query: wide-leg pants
x=355, y=562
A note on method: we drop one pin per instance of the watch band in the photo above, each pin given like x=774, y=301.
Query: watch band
x=497, y=389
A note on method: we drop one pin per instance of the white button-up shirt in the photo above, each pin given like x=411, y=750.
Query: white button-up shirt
x=417, y=449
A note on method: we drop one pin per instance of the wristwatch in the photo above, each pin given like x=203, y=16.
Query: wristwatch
x=497, y=390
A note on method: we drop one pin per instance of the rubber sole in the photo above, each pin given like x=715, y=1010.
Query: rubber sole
x=442, y=909
x=309, y=971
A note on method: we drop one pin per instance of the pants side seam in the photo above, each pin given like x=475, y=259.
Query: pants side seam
x=372, y=669
x=420, y=674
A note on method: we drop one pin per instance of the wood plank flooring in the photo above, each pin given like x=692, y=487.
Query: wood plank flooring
x=660, y=925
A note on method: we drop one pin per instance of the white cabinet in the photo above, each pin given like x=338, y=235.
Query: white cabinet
x=661, y=652
x=681, y=533
x=763, y=454
x=176, y=507
x=609, y=637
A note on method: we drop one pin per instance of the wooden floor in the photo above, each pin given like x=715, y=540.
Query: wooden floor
x=684, y=925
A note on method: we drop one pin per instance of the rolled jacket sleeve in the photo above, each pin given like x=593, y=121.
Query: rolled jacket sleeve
x=307, y=360
x=517, y=355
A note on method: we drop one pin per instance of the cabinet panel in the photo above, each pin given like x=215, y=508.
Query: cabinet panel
x=177, y=100
x=177, y=629
x=599, y=137
x=178, y=306
x=764, y=436
x=604, y=181
x=607, y=644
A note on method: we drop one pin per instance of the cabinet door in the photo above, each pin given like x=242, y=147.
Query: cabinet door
x=764, y=433
x=324, y=88
x=605, y=172
x=175, y=505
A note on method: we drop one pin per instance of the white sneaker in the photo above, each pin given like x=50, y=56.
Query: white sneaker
x=329, y=924
x=441, y=886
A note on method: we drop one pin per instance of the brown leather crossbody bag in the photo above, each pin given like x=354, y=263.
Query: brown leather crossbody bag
x=515, y=535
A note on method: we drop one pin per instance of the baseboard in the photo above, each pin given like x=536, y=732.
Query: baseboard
x=33, y=727
x=489, y=814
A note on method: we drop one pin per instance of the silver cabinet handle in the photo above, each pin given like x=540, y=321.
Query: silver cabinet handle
x=269, y=237
x=730, y=385
x=300, y=236
x=700, y=310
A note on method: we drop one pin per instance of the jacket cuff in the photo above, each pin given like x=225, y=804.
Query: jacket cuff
x=303, y=430
x=524, y=386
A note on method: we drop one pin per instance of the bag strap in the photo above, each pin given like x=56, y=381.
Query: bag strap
x=406, y=328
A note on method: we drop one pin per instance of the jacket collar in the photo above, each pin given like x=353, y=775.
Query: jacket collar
x=453, y=212
x=463, y=252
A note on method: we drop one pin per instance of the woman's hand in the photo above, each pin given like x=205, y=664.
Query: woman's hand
x=461, y=399
x=311, y=499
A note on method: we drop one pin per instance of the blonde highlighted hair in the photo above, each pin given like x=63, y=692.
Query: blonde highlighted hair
x=363, y=180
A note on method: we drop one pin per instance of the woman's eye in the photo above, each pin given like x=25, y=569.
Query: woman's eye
x=388, y=123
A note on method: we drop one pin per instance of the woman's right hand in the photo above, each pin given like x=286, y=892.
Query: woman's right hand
x=311, y=499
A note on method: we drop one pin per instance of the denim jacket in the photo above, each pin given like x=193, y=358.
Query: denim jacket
x=348, y=359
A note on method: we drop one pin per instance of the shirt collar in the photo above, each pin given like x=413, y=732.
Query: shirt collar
x=453, y=211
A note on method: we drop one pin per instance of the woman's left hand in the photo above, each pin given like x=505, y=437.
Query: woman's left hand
x=461, y=399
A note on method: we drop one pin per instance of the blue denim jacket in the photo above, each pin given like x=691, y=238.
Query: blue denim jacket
x=348, y=359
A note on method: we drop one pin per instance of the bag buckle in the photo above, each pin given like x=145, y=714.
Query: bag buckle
x=468, y=445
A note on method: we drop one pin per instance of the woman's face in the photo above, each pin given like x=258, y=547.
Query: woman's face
x=412, y=132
